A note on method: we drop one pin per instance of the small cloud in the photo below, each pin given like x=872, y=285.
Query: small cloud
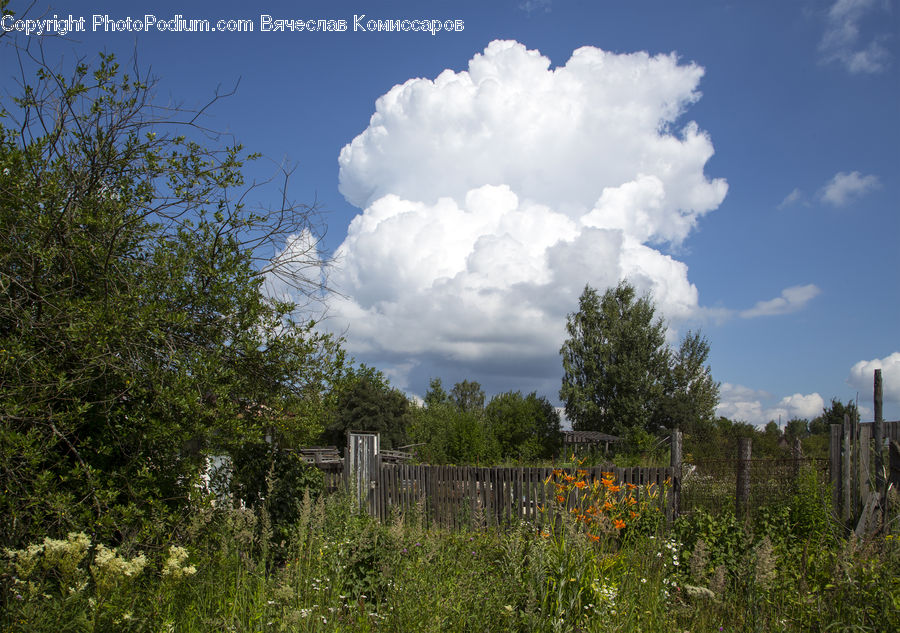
x=793, y=197
x=844, y=187
x=791, y=300
x=863, y=373
x=532, y=6
x=801, y=406
x=843, y=43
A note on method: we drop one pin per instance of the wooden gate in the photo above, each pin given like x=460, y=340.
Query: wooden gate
x=362, y=465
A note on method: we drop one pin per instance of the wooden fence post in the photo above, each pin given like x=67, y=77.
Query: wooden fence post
x=675, y=463
x=834, y=467
x=846, y=480
x=879, y=434
x=742, y=496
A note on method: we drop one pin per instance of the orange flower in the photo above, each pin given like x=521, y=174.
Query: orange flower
x=618, y=524
x=609, y=505
x=580, y=485
x=631, y=501
x=581, y=472
x=634, y=514
x=614, y=488
x=594, y=537
x=560, y=498
x=569, y=478
x=609, y=476
x=631, y=486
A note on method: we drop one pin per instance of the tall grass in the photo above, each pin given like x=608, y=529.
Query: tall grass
x=339, y=570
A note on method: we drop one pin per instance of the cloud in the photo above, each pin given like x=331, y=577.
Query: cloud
x=843, y=43
x=793, y=197
x=531, y=6
x=791, y=300
x=862, y=376
x=740, y=403
x=844, y=187
x=491, y=196
x=800, y=406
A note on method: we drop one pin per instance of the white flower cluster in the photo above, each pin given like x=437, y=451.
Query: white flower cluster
x=174, y=566
x=62, y=555
x=109, y=568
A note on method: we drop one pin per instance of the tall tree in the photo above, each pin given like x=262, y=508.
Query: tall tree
x=690, y=394
x=615, y=361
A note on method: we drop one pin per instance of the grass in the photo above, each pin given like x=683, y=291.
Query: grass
x=341, y=571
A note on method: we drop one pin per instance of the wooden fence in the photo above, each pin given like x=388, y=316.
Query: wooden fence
x=855, y=469
x=466, y=497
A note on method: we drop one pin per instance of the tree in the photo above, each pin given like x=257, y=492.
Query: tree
x=453, y=426
x=615, y=361
x=367, y=402
x=690, y=394
x=621, y=377
x=526, y=428
x=468, y=396
x=834, y=414
x=133, y=320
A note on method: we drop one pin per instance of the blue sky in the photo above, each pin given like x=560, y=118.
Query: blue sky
x=739, y=160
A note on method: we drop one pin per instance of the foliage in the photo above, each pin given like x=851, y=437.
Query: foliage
x=619, y=374
x=347, y=572
x=526, y=428
x=365, y=401
x=133, y=319
x=452, y=436
x=453, y=427
x=690, y=394
x=468, y=396
x=271, y=480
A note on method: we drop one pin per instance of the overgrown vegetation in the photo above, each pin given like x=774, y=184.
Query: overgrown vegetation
x=346, y=572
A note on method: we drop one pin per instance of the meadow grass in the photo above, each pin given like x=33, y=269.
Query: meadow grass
x=340, y=570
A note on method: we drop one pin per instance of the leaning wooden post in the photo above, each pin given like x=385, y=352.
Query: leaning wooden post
x=835, y=468
x=675, y=462
x=742, y=497
x=879, y=435
x=846, y=480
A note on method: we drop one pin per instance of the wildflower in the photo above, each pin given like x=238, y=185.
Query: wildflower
x=580, y=485
x=560, y=498
x=174, y=565
x=618, y=524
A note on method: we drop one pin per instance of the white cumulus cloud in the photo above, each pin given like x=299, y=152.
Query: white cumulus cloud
x=791, y=300
x=757, y=407
x=862, y=376
x=491, y=196
x=844, y=187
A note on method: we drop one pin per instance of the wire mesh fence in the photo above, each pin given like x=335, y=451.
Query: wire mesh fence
x=712, y=485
